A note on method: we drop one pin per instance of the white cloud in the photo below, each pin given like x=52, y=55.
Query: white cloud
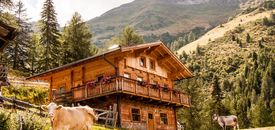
x=65, y=8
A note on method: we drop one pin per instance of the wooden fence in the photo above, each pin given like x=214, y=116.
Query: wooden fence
x=107, y=117
x=21, y=105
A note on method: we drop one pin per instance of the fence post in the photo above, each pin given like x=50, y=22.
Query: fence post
x=13, y=103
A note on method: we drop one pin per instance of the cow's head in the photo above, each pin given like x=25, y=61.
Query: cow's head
x=215, y=117
x=52, y=107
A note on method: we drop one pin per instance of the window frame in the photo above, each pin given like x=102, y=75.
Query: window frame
x=163, y=119
x=144, y=61
x=152, y=62
x=62, y=89
x=135, y=114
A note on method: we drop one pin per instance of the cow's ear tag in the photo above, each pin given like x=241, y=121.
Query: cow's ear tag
x=58, y=107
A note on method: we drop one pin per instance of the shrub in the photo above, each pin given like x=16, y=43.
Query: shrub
x=33, y=122
x=9, y=120
x=34, y=95
x=4, y=118
x=269, y=5
x=271, y=31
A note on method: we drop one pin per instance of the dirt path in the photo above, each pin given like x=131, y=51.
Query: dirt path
x=218, y=31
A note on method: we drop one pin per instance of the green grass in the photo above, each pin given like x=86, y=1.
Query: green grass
x=98, y=127
x=262, y=128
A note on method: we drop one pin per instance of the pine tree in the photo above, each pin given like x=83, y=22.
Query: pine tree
x=50, y=35
x=191, y=117
x=127, y=37
x=76, y=40
x=17, y=50
x=191, y=37
x=34, y=54
x=5, y=4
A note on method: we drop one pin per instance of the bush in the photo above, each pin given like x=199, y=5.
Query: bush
x=238, y=30
x=4, y=118
x=271, y=31
x=34, y=95
x=9, y=120
x=269, y=5
x=33, y=122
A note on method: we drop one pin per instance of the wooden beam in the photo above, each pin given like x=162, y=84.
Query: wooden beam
x=3, y=32
x=152, y=49
x=51, y=87
x=173, y=65
x=161, y=60
x=138, y=52
x=157, y=50
x=83, y=70
x=72, y=78
x=176, y=73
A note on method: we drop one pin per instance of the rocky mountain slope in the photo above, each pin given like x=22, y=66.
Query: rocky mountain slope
x=156, y=17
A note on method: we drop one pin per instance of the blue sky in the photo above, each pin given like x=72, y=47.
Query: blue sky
x=65, y=8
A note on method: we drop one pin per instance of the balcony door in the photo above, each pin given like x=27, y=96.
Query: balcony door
x=150, y=120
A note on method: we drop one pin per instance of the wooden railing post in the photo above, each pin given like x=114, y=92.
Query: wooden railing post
x=122, y=84
x=86, y=91
x=117, y=83
x=148, y=90
x=160, y=93
x=100, y=88
x=171, y=95
x=180, y=97
x=136, y=84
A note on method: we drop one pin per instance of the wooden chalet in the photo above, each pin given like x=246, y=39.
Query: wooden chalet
x=7, y=33
x=139, y=79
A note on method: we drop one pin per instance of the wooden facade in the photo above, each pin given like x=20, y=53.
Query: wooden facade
x=139, y=79
x=7, y=33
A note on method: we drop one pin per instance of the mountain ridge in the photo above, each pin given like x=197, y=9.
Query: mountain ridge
x=156, y=17
x=219, y=31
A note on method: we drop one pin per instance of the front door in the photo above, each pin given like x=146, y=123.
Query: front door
x=150, y=121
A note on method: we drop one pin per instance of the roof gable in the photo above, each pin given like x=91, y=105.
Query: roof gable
x=166, y=58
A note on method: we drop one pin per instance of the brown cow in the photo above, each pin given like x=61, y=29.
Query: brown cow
x=70, y=118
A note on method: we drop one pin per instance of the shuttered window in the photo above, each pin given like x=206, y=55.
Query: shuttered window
x=163, y=118
x=135, y=114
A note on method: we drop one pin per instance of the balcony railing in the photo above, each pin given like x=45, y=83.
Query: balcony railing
x=125, y=85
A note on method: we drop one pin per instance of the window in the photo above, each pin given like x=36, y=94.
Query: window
x=152, y=65
x=54, y=92
x=126, y=75
x=135, y=114
x=142, y=62
x=163, y=118
x=99, y=77
x=139, y=78
x=150, y=116
x=61, y=90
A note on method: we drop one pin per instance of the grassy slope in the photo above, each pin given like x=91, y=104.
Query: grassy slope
x=159, y=16
x=263, y=128
x=220, y=31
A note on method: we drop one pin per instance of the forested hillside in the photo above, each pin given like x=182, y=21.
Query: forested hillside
x=48, y=47
x=234, y=74
x=164, y=19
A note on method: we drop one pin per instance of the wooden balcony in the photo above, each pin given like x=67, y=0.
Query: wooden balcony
x=126, y=86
